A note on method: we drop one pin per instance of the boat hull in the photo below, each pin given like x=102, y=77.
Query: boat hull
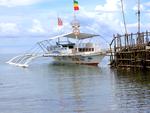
x=79, y=59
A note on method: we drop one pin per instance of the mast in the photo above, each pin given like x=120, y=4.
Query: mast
x=125, y=27
x=140, y=39
x=139, y=14
x=75, y=24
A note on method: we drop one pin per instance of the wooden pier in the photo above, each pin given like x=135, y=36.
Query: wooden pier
x=130, y=51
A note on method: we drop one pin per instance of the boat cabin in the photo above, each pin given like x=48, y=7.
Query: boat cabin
x=68, y=46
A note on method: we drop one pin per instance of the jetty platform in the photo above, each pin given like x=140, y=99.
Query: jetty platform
x=130, y=51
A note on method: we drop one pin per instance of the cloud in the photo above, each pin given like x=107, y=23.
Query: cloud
x=147, y=4
x=134, y=27
x=135, y=8
x=9, y=28
x=37, y=27
x=91, y=20
x=100, y=21
x=110, y=6
x=13, y=3
x=105, y=13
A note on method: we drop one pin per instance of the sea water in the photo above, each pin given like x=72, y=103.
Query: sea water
x=47, y=88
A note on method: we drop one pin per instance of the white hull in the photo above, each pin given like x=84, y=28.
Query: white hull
x=79, y=59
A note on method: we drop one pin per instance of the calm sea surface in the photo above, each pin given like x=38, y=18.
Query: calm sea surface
x=48, y=88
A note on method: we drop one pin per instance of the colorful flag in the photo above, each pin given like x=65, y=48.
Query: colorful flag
x=60, y=22
x=76, y=6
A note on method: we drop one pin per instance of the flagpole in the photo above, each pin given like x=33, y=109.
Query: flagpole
x=60, y=23
x=74, y=12
x=58, y=28
x=75, y=24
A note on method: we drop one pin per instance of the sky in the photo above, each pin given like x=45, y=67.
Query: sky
x=39, y=17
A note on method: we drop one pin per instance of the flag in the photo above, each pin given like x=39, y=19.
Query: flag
x=60, y=22
x=76, y=6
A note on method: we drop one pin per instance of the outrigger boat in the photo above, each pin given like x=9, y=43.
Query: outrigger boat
x=79, y=53
x=74, y=47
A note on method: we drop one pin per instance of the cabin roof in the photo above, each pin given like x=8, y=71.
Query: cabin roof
x=80, y=36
